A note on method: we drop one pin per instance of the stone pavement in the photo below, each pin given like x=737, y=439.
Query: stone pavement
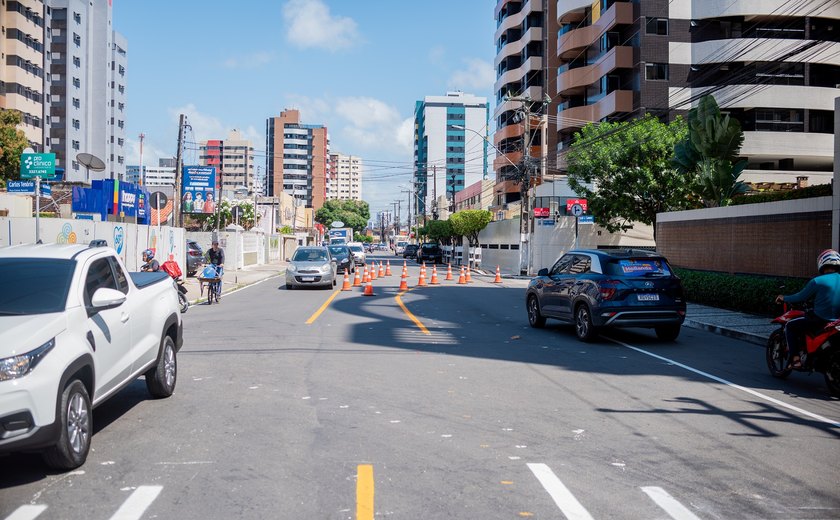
x=233, y=280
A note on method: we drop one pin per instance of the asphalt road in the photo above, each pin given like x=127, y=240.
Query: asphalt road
x=462, y=411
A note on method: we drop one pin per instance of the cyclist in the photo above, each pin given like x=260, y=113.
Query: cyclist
x=150, y=264
x=216, y=256
x=824, y=289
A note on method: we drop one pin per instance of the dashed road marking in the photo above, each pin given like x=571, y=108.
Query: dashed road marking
x=28, y=512
x=364, y=492
x=137, y=503
x=671, y=506
x=564, y=499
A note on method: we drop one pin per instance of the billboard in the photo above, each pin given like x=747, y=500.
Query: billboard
x=198, y=192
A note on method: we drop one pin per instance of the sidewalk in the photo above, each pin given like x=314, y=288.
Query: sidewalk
x=738, y=325
x=233, y=280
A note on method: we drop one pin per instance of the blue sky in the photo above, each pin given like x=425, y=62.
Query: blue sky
x=356, y=66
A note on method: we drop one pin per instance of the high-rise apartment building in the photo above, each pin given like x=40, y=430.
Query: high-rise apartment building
x=771, y=64
x=297, y=158
x=22, y=68
x=450, y=146
x=234, y=160
x=87, y=62
x=345, y=181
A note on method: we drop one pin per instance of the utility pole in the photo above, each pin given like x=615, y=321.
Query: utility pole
x=142, y=172
x=434, y=192
x=409, y=209
x=177, y=217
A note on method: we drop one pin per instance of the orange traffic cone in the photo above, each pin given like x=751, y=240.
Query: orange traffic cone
x=346, y=286
x=423, y=268
x=388, y=269
x=498, y=276
x=357, y=282
x=469, y=278
x=403, y=283
x=434, y=276
x=366, y=276
x=461, y=279
x=368, y=289
x=381, y=270
x=448, y=272
x=373, y=271
x=422, y=281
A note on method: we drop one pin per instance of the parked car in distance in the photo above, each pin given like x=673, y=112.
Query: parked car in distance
x=67, y=343
x=358, y=252
x=311, y=266
x=608, y=288
x=399, y=247
x=195, y=257
x=343, y=257
x=429, y=252
x=410, y=251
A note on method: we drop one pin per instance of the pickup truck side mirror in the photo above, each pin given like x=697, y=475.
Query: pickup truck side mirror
x=105, y=298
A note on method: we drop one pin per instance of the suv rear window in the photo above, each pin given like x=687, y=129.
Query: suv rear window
x=637, y=267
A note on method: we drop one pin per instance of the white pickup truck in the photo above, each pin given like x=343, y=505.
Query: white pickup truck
x=75, y=328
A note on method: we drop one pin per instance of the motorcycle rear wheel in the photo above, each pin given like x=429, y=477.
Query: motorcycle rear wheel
x=832, y=374
x=777, y=355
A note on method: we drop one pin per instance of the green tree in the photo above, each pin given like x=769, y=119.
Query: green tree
x=624, y=169
x=710, y=153
x=12, y=144
x=469, y=223
x=354, y=213
x=439, y=231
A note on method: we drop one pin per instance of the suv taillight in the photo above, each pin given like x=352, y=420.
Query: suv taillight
x=608, y=289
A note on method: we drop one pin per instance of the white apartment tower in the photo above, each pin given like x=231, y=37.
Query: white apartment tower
x=345, y=182
x=234, y=160
x=87, y=72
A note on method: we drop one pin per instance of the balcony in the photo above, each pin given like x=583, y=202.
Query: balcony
x=615, y=102
x=573, y=42
x=574, y=81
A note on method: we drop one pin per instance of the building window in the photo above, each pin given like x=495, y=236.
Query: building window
x=77, y=103
x=120, y=124
x=656, y=71
x=77, y=61
x=120, y=141
x=77, y=17
x=122, y=70
x=77, y=40
x=75, y=165
x=77, y=83
x=76, y=145
x=657, y=26
x=77, y=124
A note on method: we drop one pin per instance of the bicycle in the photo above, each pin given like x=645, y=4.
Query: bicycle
x=214, y=283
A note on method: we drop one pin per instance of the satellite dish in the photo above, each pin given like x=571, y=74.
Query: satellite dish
x=90, y=161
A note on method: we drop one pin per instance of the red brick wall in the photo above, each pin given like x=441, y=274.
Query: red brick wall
x=778, y=245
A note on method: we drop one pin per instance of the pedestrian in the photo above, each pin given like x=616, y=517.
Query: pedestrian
x=216, y=256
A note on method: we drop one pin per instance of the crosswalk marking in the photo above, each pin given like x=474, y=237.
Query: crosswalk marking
x=564, y=499
x=669, y=503
x=26, y=513
x=133, y=508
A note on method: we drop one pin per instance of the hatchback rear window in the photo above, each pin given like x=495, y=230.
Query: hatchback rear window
x=638, y=267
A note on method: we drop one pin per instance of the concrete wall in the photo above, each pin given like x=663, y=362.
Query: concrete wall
x=774, y=238
x=129, y=240
x=16, y=205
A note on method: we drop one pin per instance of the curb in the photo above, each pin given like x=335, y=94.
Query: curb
x=237, y=286
x=756, y=339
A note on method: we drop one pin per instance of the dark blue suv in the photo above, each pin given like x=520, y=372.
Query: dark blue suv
x=608, y=288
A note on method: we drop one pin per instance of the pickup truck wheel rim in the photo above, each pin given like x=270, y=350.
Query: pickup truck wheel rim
x=78, y=423
x=169, y=366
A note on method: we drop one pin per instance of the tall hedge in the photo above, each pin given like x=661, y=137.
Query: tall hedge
x=820, y=190
x=740, y=292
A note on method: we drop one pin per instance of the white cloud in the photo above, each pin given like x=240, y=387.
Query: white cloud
x=249, y=61
x=311, y=109
x=203, y=126
x=151, y=152
x=310, y=25
x=436, y=54
x=478, y=75
x=373, y=124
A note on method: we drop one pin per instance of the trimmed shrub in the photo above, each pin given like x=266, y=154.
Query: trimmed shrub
x=820, y=190
x=748, y=293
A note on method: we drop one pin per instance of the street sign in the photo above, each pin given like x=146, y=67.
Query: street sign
x=158, y=199
x=577, y=210
x=20, y=186
x=46, y=190
x=542, y=212
x=587, y=219
x=583, y=203
x=546, y=221
x=37, y=165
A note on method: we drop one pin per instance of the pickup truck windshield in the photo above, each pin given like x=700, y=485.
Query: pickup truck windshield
x=34, y=285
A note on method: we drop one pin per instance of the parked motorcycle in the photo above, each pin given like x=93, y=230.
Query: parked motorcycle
x=821, y=353
x=171, y=268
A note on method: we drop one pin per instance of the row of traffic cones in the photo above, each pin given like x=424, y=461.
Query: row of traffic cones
x=370, y=275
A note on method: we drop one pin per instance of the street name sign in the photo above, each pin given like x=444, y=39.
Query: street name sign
x=20, y=186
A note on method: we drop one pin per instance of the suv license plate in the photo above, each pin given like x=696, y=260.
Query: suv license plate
x=312, y=279
x=648, y=297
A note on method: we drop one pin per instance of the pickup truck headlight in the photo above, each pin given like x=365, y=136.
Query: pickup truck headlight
x=20, y=365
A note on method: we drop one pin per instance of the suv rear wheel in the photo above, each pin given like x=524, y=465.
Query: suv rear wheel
x=75, y=426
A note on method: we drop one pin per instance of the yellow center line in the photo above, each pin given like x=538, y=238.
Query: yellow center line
x=364, y=492
x=413, y=318
x=322, y=309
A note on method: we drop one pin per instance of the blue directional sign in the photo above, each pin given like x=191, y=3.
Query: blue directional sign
x=46, y=190
x=586, y=219
x=20, y=186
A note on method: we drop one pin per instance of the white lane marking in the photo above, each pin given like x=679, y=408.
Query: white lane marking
x=27, y=512
x=731, y=384
x=671, y=506
x=564, y=499
x=137, y=503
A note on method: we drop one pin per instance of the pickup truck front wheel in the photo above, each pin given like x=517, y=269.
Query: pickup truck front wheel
x=75, y=427
x=161, y=378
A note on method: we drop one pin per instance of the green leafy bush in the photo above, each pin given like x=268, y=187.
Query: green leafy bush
x=739, y=292
x=820, y=190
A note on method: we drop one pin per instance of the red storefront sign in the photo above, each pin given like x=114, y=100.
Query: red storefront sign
x=542, y=212
x=572, y=202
